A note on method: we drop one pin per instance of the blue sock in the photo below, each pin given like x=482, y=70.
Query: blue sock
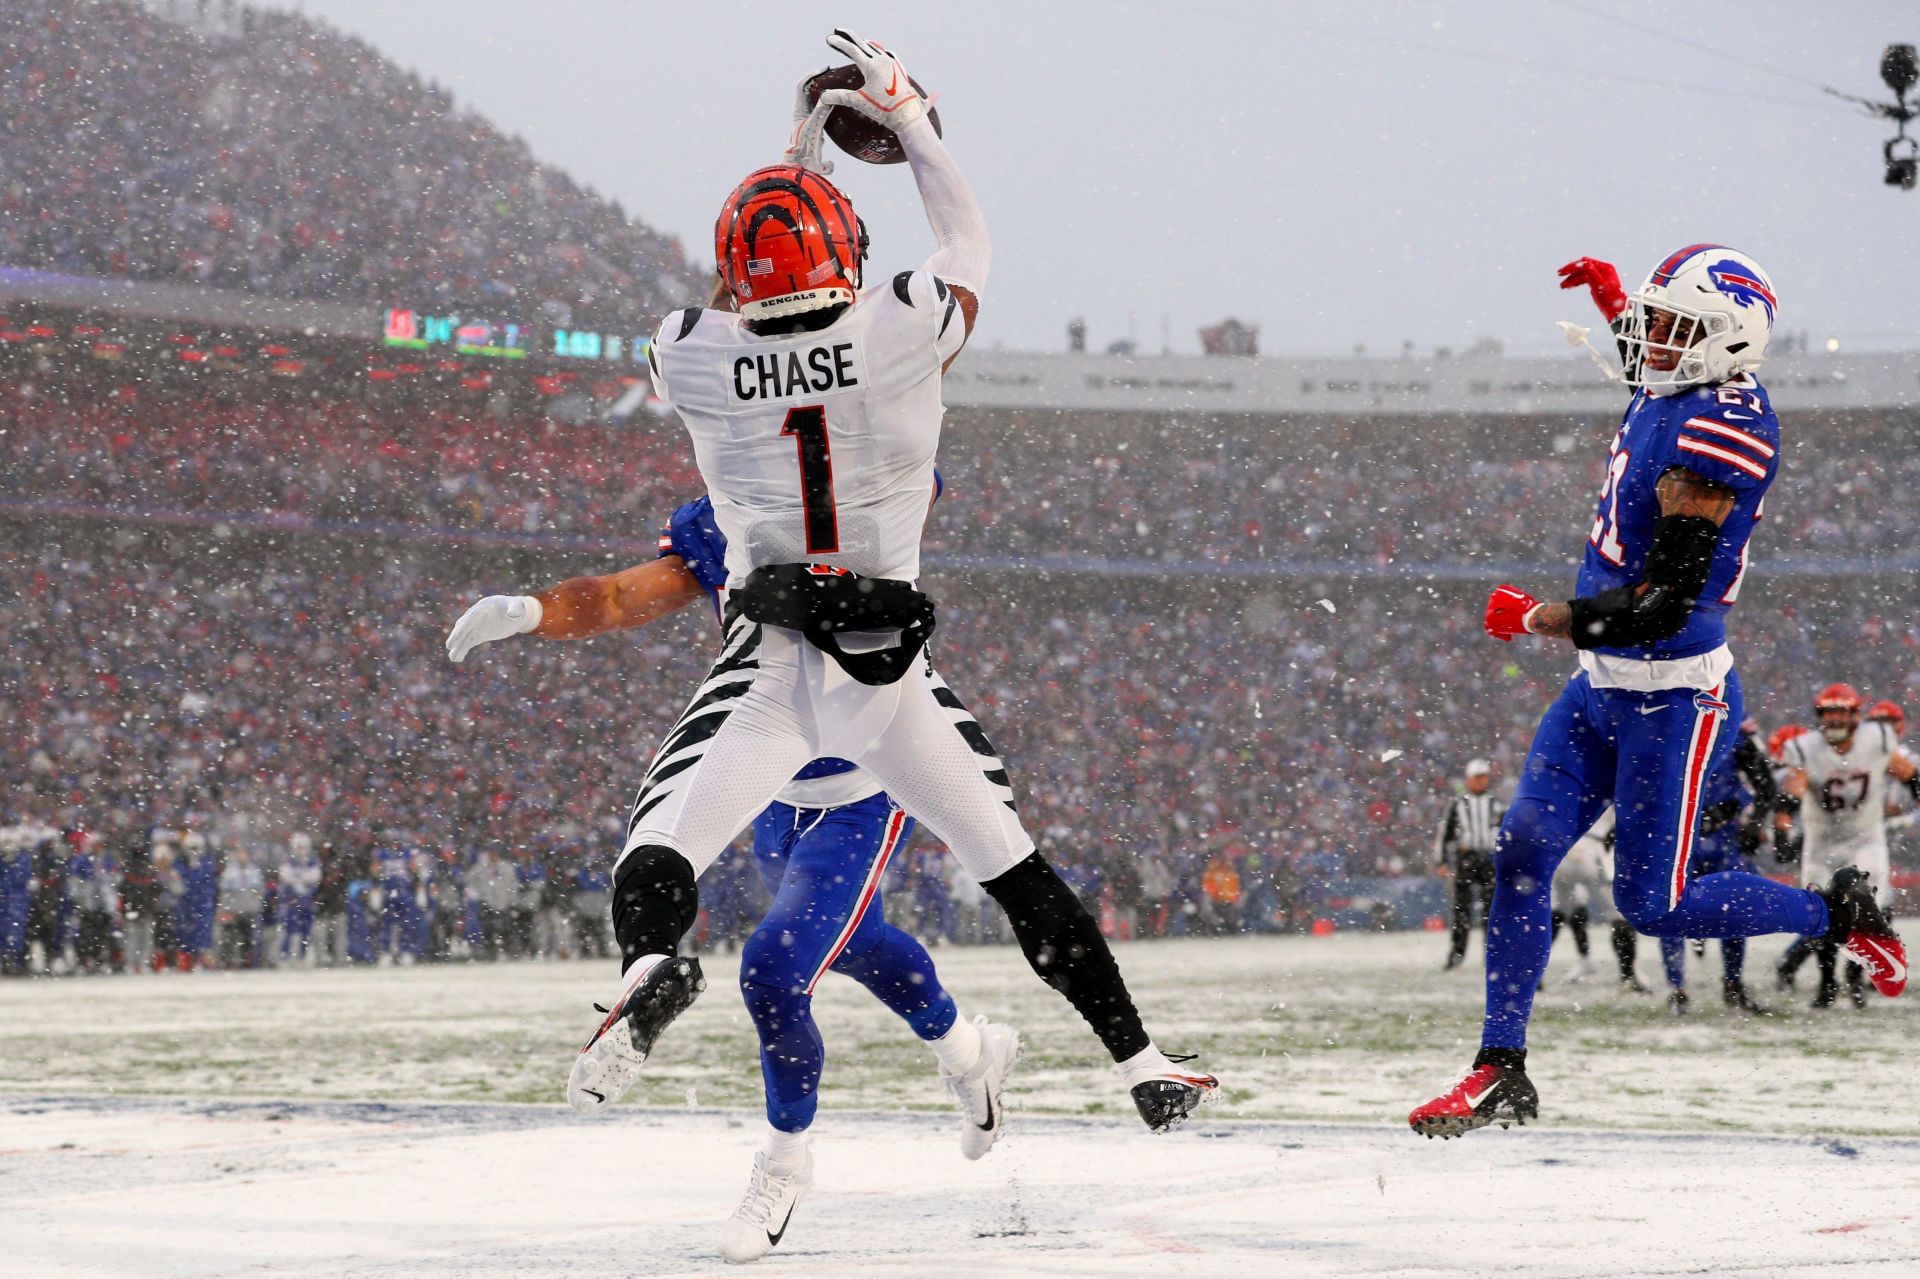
x=1733, y=959
x=1673, y=957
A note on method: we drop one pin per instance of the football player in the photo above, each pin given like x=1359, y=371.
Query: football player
x=814, y=408
x=822, y=850
x=1839, y=775
x=1646, y=719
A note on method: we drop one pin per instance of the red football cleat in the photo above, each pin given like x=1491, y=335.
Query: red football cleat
x=1489, y=1094
x=1861, y=928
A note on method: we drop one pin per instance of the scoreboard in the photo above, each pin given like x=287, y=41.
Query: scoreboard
x=503, y=340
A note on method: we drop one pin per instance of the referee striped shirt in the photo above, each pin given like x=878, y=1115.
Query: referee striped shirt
x=1472, y=824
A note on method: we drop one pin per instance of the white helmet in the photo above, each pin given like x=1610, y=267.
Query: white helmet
x=1722, y=306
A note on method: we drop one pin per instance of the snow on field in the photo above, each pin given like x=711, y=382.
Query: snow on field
x=199, y=1189
x=1350, y=1028
x=366, y=1122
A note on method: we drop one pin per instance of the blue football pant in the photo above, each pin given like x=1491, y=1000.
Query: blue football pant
x=824, y=867
x=1713, y=853
x=1648, y=754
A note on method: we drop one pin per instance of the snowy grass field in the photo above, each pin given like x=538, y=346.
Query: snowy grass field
x=406, y=1121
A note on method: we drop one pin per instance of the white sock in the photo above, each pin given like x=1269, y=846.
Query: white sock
x=786, y=1151
x=959, y=1048
x=1143, y=1065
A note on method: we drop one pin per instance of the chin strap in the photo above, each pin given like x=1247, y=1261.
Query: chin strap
x=1576, y=336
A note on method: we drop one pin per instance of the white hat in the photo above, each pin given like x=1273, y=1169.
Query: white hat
x=1479, y=768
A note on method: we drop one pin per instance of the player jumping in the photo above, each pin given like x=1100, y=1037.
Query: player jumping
x=822, y=849
x=815, y=414
x=1647, y=717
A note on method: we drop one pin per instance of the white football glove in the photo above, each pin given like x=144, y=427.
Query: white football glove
x=887, y=98
x=803, y=140
x=494, y=618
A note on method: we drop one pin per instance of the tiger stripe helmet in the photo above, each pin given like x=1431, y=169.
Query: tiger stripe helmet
x=1890, y=714
x=788, y=241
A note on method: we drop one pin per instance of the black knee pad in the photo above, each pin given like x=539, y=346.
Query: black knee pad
x=655, y=901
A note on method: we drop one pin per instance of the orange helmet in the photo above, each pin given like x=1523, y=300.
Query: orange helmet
x=788, y=241
x=1838, y=697
x=1889, y=713
x=1780, y=736
x=1837, y=707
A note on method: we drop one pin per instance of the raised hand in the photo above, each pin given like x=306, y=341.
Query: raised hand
x=888, y=96
x=1599, y=279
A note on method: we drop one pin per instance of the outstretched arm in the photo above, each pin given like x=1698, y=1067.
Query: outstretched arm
x=585, y=606
x=888, y=97
x=1692, y=509
x=579, y=607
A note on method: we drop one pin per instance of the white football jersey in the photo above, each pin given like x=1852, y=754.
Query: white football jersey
x=1846, y=801
x=817, y=447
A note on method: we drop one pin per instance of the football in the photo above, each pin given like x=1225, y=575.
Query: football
x=854, y=133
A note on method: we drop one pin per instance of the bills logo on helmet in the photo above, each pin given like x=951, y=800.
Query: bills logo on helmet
x=1738, y=283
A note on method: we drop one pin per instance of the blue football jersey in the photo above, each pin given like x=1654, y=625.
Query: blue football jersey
x=1724, y=433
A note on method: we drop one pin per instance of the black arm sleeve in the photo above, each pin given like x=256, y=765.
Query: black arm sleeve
x=1678, y=563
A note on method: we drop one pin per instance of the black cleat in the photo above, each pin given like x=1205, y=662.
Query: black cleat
x=1677, y=1002
x=1735, y=993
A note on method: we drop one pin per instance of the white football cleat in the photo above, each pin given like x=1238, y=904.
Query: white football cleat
x=982, y=1116
x=760, y=1222
x=655, y=990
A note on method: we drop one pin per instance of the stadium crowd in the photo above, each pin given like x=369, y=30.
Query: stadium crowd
x=1070, y=488
x=287, y=158
x=238, y=739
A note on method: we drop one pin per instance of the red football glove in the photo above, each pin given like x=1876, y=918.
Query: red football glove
x=1601, y=280
x=1507, y=610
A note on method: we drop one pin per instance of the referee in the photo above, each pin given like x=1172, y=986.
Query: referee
x=1464, y=852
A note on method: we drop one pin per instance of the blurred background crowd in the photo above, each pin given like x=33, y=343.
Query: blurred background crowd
x=274, y=154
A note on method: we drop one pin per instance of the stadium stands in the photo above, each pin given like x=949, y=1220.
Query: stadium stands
x=291, y=159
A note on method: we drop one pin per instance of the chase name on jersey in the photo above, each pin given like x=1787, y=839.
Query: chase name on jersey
x=776, y=375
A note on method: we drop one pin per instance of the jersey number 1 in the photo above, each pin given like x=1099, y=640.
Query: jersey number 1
x=808, y=427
